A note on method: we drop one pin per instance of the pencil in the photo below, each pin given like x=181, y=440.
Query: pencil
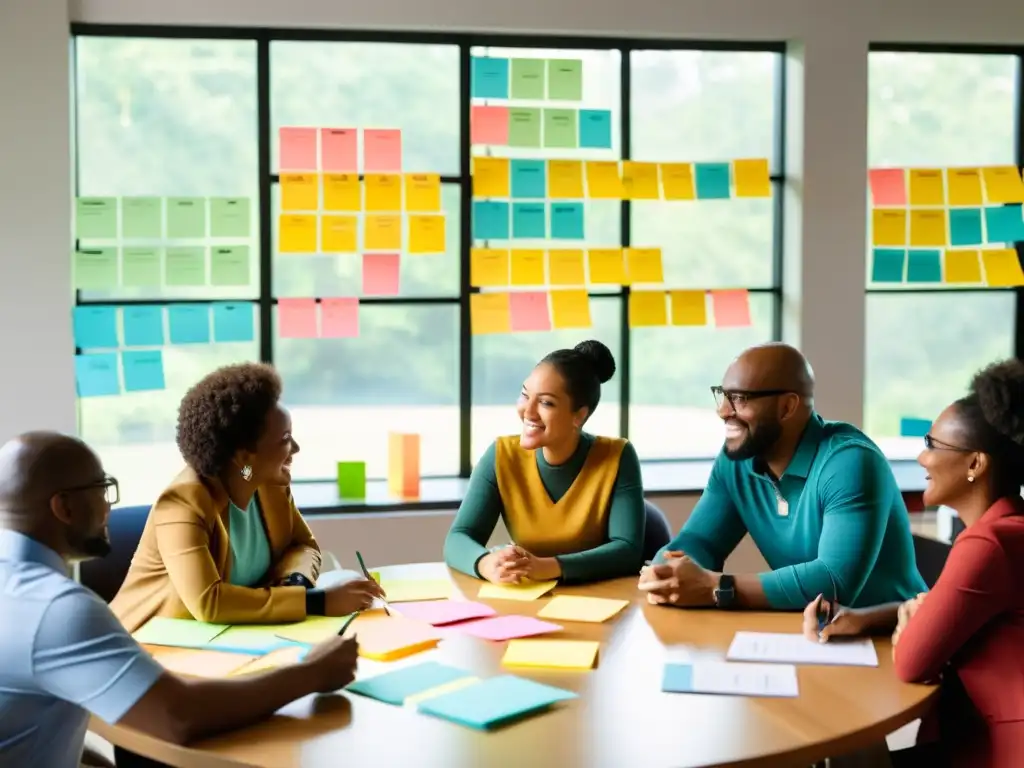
x=366, y=573
x=345, y=626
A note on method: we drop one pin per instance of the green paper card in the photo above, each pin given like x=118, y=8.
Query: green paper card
x=528, y=78
x=560, y=128
x=352, y=479
x=186, y=218
x=229, y=217
x=96, y=269
x=96, y=218
x=185, y=266
x=229, y=265
x=565, y=79
x=524, y=127
x=181, y=633
x=142, y=218
x=140, y=267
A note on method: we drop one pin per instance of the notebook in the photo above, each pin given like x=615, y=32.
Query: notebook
x=494, y=702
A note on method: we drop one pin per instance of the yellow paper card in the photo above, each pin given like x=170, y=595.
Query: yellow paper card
x=1002, y=268
x=528, y=267
x=437, y=690
x=296, y=233
x=963, y=267
x=383, y=232
x=416, y=590
x=607, y=266
x=576, y=608
x=888, y=226
x=640, y=181
x=489, y=313
x=647, y=308
x=490, y=177
x=928, y=227
x=558, y=654
x=570, y=309
x=524, y=591
x=643, y=265
x=566, y=267
x=423, y=192
x=488, y=267
x=426, y=234
x=1003, y=184
x=300, y=192
x=752, y=178
x=677, y=181
x=964, y=185
x=394, y=638
x=689, y=307
x=342, y=192
x=603, y=180
x=565, y=179
x=383, y=192
x=926, y=187
x=339, y=234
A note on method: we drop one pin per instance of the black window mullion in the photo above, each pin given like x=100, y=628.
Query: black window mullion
x=625, y=231
x=266, y=295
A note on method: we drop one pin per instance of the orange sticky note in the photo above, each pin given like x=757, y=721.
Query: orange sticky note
x=607, y=266
x=403, y=467
x=888, y=226
x=282, y=657
x=964, y=185
x=963, y=267
x=643, y=265
x=383, y=192
x=640, y=181
x=603, y=180
x=383, y=232
x=565, y=267
x=529, y=311
x=380, y=274
x=489, y=313
x=342, y=192
x=390, y=638
x=565, y=179
x=732, y=308
x=752, y=178
x=488, y=125
x=297, y=149
x=689, y=307
x=339, y=318
x=888, y=186
x=426, y=234
x=1003, y=184
x=339, y=151
x=926, y=187
x=488, y=267
x=1002, y=268
x=423, y=192
x=570, y=309
x=527, y=267
x=677, y=180
x=382, y=150
x=296, y=233
x=928, y=227
x=300, y=192
x=339, y=234
x=297, y=318
x=490, y=177
x=647, y=308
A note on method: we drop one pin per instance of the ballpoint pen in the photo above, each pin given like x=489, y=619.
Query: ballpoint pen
x=345, y=626
x=366, y=573
x=826, y=610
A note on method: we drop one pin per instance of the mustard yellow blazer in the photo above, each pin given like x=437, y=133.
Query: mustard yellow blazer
x=183, y=564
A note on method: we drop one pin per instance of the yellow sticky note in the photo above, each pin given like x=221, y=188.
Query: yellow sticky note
x=566, y=267
x=1003, y=184
x=640, y=181
x=643, y=265
x=342, y=192
x=689, y=307
x=296, y=233
x=926, y=187
x=607, y=266
x=1002, y=268
x=559, y=654
x=888, y=226
x=647, y=308
x=383, y=192
x=565, y=179
x=455, y=685
x=488, y=267
x=525, y=590
x=426, y=234
x=423, y=192
x=300, y=192
x=677, y=181
x=489, y=313
x=963, y=267
x=394, y=638
x=311, y=630
x=603, y=180
x=570, y=309
x=752, y=178
x=383, y=232
x=577, y=608
x=527, y=267
x=928, y=227
x=339, y=234
x=490, y=177
x=964, y=186
x=416, y=590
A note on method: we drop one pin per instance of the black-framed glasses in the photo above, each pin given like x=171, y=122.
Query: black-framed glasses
x=937, y=445
x=111, y=490
x=740, y=397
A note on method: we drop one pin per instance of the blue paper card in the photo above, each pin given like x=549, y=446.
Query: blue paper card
x=232, y=322
x=494, y=702
x=189, y=324
x=530, y=220
x=887, y=265
x=567, y=221
x=677, y=678
x=489, y=78
x=143, y=326
x=712, y=181
x=243, y=639
x=595, y=129
x=395, y=687
x=914, y=427
x=490, y=220
x=143, y=370
x=965, y=226
x=529, y=178
x=924, y=267
x=96, y=375
x=1003, y=224
x=95, y=327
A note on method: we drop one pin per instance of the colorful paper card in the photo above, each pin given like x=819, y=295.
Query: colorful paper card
x=189, y=323
x=888, y=226
x=552, y=654
x=296, y=318
x=440, y=690
x=229, y=265
x=752, y=178
x=398, y=686
x=416, y=590
x=926, y=187
x=488, y=267
x=198, y=663
x=96, y=218
x=232, y=322
x=727, y=678
x=339, y=318
x=603, y=180
x=383, y=193
x=490, y=220
x=567, y=221
x=494, y=702
x=426, y=234
x=339, y=234
x=489, y=78
x=441, y=612
x=404, y=465
x=924, y=266
x=140, y=267
x=888, y=264
x=565, y=79
x=561, y=128
x=230, y=217
x=300, y=192
x=529, y=178
x=527, y=266
x=96, y=375
x=388, y=639
x=489, y=125
x=96, y=269
x=565, y=267
x=383, y=232
x=712, y=180
x=644, y=265
x=186, y=218
x=528, y=80
x=351, y=479
x=143, y=370
x=282, y=657
x=95, y=327
x=382, y=150
x=501, y=628
x=143, y=326
x=297, y=149
x=647, y=309
x=677, y=181
x=595, y=129
x=928, y=227
x=423, y=192
x=689, y=307
x=342, y=192
x=731, y=308
x=491, y=177
x=914, y=427
x=570, y=309
x=339, y=150
x=526, y=590
x=489, y=313
x=607, y=266
x=640, y=181
x=965, y=226
x=524, y=127
x=529, y=221
x=888, y=186
x=963, y=267
x=565, y=179
x=381, y=274
x=1003, y=184
x=312, y=630
x=964, y=186
x=529, y=311
x=142, y=218
x=1002, y=268
x=249, y=639
x=185, y=265
x=1003, y=224
x=180, y=633
x=296, y=233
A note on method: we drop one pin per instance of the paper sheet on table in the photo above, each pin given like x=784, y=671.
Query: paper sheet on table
x=201, y=663
x=313, y=630
x=398, y=686
x=527, y=590
x=184, y=633
x=558, y=654
x=394, y=637
x=441, y=612
x=274, y=660
x=494, y=702
x=576, y=608
x=413, y=590
x=249, y=639
x=502, y=628
x=723, y=677
x=778, y=647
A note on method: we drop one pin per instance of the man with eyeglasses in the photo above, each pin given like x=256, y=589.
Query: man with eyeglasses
x=818, y=498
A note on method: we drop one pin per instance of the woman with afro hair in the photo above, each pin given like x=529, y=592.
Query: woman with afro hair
x=225, y=543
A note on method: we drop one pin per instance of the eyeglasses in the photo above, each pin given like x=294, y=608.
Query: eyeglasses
x=937, y=445
x=740, y=397
x=111, y=490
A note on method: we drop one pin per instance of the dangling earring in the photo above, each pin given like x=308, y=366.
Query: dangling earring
x=247, y=473
x=970, y=478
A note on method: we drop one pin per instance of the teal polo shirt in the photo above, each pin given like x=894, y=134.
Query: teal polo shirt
x=835, y=517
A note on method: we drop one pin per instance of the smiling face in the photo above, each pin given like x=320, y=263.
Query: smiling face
x=546, y=410
x=753, y=419
x=948, y=461
x=271, y=461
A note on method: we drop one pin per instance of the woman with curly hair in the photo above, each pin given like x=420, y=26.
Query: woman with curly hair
x=225, y=543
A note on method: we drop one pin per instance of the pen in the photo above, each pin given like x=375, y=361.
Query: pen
x=366, y=573
x=825, y=611
x=345, y=626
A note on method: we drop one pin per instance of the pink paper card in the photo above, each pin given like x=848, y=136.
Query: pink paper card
x=888, y=186
x=507, y=627
x=297, y=149
x=489, y=125
x=296, y=318
x=380, y=274
x=339, y=318
x=441, y=612
x=529, y=311
x=339, y=151
x=731, y=308
x=382, y=150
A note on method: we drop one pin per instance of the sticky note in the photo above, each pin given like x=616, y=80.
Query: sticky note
x=677, y=181
x=441, y=612
x=96, y=374
x=555, y=654
x=282, y=657
x=488, y=125
x=494, y=702
x=963, y=267
x=297, y=149
x=887, y=265
x=352, y=479
x=1003, y=184
x=488, y=267
x=1003, y=224
x=339, y=150
x=640, y=181
x=339, y=318
x=201, y=663
x=570, y=309
x=924, y=266
x=186, y=218
x=914, y=427
x=928, y=227
x=595, y=129
x=964, y=186
x=529, y=178
x=415, y=590
x=577, y=608
x=248, y=640
x=423, y=192
x=232, y=322
x=230, y=217
x=404, y=465
x=189, y=323
x=426, y=234
x=185, y=265
x=689, y=307
x=394, y=638
x=142, y=218
x=926, y=187
x=1002, y=268
x=528, y=78
x=296, y=318
x=888, y=186
x=339, y=234
x=143, y=326
x=490, y=220
x=342, y=192
x=382, y=150
x=229, y=265
x=383, y=192
x=644, y=265
x=888, y=226
x=313, y=629
x=96, y=218
x=529, y=311
x=527, y=267
x=560, y=128
x=300, y=192
x=524, y=127
x=712, y=181
x=567, y=221
x=525, y=590
x=500, y=628
x=296, y=233
x=489, y=313
x=752, y=178
x=731, y=308
x=96, y=269
x=607, y=266
x=603, y=180
x=565, y=267
x=181, y=633
x=965, y=226
x=489, y=78
x=383, y=232
x=398, y=686
x=565, y=179
x=381, y=274
x=647, y=309
x=95, y=327
x=491, y=177
x=565, y=79
x=143, y=370
x=140, y=267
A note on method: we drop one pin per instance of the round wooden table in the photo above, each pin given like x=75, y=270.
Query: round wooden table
x=621, y=719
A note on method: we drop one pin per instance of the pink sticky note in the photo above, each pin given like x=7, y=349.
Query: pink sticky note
x=731, y=308
x=529, y=311
x=440, y=612
x=296, y=318
x=339, y=152
x=297, y=151
x=888, y=186
x=380, y=274
x=507, y=627
x=382, y=150
x=489, y=125
x=339, y=318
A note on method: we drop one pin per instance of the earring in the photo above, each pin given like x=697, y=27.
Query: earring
x=247, y=473
x=970, y=478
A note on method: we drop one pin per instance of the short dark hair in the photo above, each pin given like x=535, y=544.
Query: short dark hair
x=585, y=368
x=992, y=415
x=226, y=411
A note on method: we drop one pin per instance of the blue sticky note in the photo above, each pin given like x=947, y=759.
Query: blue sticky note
x=530, y=220
x=677, y=678
x=567, y=221
x=95, y=327
x=924, y=267
x=965, y=226
x=914, y=427
x=1003, y=224
x=395, y=687
x=143, y=326
x=189, y=323
x=887, y=265
x=96, y=375
x=143, y=370
x=712, y=181
x=595, y=129
x=494, y=702
x=232, y=321
x=489, y=78
x=490, y=220
x=529, y=178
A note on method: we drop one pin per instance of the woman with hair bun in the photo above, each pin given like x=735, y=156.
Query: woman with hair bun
x=572, y=502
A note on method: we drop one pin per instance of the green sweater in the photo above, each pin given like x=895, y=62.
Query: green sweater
x=621, y=555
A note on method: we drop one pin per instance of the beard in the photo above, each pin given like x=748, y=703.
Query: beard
x=757, y=443
x=93, y=546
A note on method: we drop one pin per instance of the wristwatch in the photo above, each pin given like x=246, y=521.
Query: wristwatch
x=725, y=594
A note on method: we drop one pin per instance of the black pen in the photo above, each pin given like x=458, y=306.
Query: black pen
x=366, y=573
x=345, y=626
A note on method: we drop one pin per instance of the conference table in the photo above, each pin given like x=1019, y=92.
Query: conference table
x=620, y=719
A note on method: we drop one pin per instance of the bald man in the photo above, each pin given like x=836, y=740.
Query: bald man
x=818, y=498
x=64, y=655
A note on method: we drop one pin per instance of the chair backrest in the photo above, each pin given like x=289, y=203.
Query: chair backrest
x=657, y=533
x=931, y=558
x=104, y=576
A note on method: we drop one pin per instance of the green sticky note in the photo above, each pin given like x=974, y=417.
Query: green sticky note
x=185, y=266
x=229, y=265
x=96, y=269
x=140, y=267
x=142, y=217
x=527, y=78
x=180, y=633
x=186, y=217
x=560, y=128
x=565, y=79
x=229, y=217
x=524, y=127
x=96, y=218
x=352, y=479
